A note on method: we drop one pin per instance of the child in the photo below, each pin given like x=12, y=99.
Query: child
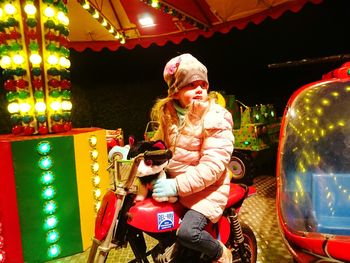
x=199, y=133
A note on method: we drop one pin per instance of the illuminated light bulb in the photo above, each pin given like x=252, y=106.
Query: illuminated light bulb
x=97, y=206
x=51, y=222
x=24, y=107
x=60, y=16
x=45, y=163
x=55, y=105
x=117, y=36
x=86, y=6
x=49, y=12
x=122, y=41
x=111, y=30
x=97, y=193
x=50, y=207
x=52, y=60
x=5, y=62
x=44, y=147
x=35, y=59
x=64, y=62
x=65, y=21
x=96, y=15
x=30, y=9
x=40, y=106
x=94, y=154
x=54, y=251
x=96, y=180
x=52, y=236
x=325, y=102
x=18, y=59
x=13, y=107
x=93, y=141
x=10, y=9
x=47, y=177
x=48, y=193
x=95, y=167
x=154, y=4
x=104, y=23
x=66, y=105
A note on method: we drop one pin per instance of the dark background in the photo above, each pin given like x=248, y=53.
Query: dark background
x=117, y=89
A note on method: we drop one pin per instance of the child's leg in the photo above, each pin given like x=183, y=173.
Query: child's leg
x=192, y=235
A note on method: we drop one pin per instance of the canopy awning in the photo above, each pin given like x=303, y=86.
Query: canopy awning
x=173, y=20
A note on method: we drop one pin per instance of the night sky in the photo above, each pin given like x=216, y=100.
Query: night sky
x=117, y=89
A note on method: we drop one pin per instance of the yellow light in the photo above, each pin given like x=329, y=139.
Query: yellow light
x=94, y=154
x=40, y=106
x=5, y=62
x=154, y=4
x=18, y=59
x=13, y=107
x=35, y=59
x=60, y=16
x=104, y=23
x=111, y=30
x=97, y=193
x=95, y=167
x=96, y=180
x=97, y=206
x=55, y=105
x=49, y=12
x=66, y=105
x=86, y=5
x=52, y=60
x=93, y=141
x=10, y=9
x=325, y=102
x=24, y=107
x=96, y=15
x=64, y=62
x=122, y=41
x=30, y=9
x=1, y=12
x=117, y=36
x=65, y=21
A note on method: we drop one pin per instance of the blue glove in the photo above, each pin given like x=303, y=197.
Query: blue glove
x=163, y=187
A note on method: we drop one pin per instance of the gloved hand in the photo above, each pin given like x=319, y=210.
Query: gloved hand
x=163, y=187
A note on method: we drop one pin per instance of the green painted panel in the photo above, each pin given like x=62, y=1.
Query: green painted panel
x=31, y=202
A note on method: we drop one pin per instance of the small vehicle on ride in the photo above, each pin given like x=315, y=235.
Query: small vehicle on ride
x=121, y=220
x=313, y=170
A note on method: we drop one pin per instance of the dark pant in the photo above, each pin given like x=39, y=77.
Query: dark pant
x=192, y=235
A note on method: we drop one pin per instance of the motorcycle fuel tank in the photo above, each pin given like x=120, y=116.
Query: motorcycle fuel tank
x=151, y=216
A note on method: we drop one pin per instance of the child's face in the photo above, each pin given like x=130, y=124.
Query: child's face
x=195, y=91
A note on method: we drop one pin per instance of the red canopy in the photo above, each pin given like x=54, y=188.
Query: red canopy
x=174, y=20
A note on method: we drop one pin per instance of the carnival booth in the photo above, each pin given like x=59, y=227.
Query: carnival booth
x=51, y=175
x=313, y=170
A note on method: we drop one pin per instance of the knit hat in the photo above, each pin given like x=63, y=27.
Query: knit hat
x=181, y=71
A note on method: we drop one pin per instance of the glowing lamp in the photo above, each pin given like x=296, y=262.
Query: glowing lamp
x=5, y=62
x=122, y=41
x=49, y=12
x=24, y=107
x=94, y=154
x=96, y=15
x=104, y=23
x=154, y=3
x=50, y=207
x=95, y=167
x=47, y=177
x=48, y=193
x=35, y=59
x=18, y=59
x=117, y=36
x=40, y=106
x=64, y=62
x=54, y=251
x=52, y=236
x=30, y=9
x=86, y=6
x=10, y=9
x=52, y=60
x=13, y=107
x=51, y=222
x=97, y=206
x=66, y=105
x=92, y=141
x=45, y=163
x=44, y=148
x=97, y=193
x=96, y=180
x=55, y=105
x=111, y=30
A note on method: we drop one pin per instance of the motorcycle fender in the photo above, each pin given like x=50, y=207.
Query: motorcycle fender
x=151, y=216
x=105, y=215
x=219, y=230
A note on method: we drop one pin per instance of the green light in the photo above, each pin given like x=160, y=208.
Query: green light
x=50, y=207
x=45, y=163
x=257, y=117
x=54, y=251
x=51, y=222
x=246, y=142
x=44, y=148
x=52, y=236
x=47, y=177
x=48, y=193
x=272, y=114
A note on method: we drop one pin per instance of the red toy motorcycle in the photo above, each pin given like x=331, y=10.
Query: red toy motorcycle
x=121, y=220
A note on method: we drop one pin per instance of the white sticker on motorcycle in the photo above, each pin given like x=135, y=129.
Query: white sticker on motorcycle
x=165, y=220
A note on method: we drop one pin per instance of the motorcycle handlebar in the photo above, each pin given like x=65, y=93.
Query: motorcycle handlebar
x=158, y=155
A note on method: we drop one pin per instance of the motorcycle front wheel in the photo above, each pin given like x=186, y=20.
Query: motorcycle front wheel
x=250, y=246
